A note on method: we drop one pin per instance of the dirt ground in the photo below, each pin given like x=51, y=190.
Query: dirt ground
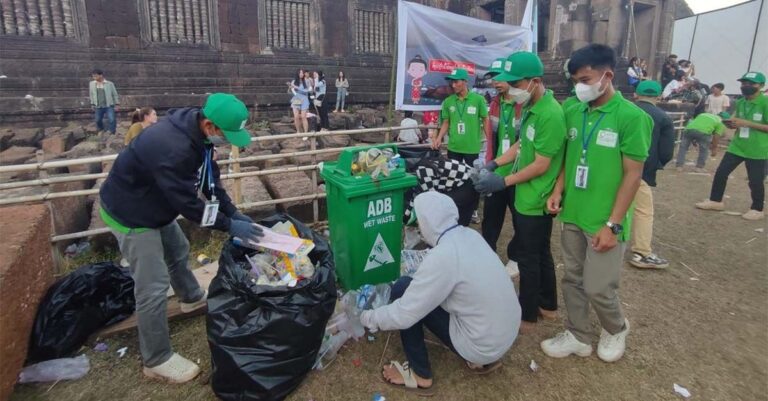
x=702, y=323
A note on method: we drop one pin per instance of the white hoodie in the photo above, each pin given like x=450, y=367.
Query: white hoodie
x=462, y=275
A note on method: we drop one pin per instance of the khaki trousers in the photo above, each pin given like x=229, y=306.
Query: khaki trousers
x=591, y=279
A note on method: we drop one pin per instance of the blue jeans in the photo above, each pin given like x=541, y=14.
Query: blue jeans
x=341, y=95
x=412, y=338
x=110, y=112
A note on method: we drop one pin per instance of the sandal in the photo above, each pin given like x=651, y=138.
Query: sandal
x=485, y=369
x=409, y=379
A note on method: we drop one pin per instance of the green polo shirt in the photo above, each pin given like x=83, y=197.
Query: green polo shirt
x=623, y=130
x=707, y=124
x=751, y=143
x=570, y=101
x=542, y=131
x=470, y=111
x=506, y=130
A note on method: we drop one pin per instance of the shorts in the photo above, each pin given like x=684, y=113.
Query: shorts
x=304, y=106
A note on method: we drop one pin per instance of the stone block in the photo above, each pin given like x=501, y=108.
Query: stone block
x=27, y=137
x=297, y=160
x=270, y=145
x=57, y=144
x=5, y=138
x=70, y=214
x=84, y=149
x=26, y=272
x=253, y=190
x=288, y=185
x=334, y=141
x=282, y=128
x=295, y=144
x=17, y=154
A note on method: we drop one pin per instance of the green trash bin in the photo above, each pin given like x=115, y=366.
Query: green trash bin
x=365, y=218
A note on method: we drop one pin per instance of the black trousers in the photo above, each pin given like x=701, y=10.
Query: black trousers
x=494, y=211
x=538, y=285
x=322, y=112
x=466, y=197
x=756, y=170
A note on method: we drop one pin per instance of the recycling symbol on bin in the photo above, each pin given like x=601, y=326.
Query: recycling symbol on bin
x=379, y=254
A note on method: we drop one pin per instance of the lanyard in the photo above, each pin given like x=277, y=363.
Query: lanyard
x=585, y=140
x=449, y=229
x=207, y=173
x=463, y=108
x=505, y=117
x=523, y=119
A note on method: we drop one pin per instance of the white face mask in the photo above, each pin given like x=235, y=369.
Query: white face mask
x=520, y=96
x=587, y=93
x=217, y=140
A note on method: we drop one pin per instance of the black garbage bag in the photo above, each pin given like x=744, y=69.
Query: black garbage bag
x=264, y=340
x=78, y=305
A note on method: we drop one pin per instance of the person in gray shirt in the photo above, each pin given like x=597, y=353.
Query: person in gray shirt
x=104, y=98
x=460, y=292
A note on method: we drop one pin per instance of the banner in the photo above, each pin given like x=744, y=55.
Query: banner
x=433, y=42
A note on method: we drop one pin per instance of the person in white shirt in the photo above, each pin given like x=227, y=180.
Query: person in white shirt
x=409, y=135
x=717, y=102
x=674, y=86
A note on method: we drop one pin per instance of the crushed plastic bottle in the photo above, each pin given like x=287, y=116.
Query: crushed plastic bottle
x=56, y=369
x=330, y=349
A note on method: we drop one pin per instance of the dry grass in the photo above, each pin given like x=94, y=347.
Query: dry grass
x=709, y=335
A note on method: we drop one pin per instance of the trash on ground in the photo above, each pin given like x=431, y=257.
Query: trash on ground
x=694, y=279
x=357, y=362
x=534, y=366
x=203, y=259
x=101, y=347
x=411, y=237
x=121, y=352
x=759, y=230
x=378, y=397
x=410, y=261
x=56, y=369
x=77, y=249
x=681, y=390
x=63, y=323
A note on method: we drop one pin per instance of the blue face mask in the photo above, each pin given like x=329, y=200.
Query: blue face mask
x=217, y=140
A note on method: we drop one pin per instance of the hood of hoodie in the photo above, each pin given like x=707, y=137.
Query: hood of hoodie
x=436, y=213
x=187, y=121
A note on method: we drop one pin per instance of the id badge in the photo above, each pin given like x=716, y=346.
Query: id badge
x=582, y=174
x=461, y=128
x=504, y=146
x=744, y=132
x=210, y=213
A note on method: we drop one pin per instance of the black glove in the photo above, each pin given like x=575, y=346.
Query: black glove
x=491, y=165
x=244, y=230
x=241, y=217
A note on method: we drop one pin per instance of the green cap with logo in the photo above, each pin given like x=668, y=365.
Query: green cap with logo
x=230, y=115
x=521, y=65
x=497, y=67
x=753, y=76
x=458, y=74
x=648, y=88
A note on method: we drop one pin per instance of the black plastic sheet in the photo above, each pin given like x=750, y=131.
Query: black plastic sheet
x=264, y=340
x=78, y=305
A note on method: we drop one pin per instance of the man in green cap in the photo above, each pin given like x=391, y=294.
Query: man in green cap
x=502, y=116
x=660, y=153
x=704, y=131
x=465, y=118
x=749, y=145
x=538, y=158
x=165, y=172
x=607, y=143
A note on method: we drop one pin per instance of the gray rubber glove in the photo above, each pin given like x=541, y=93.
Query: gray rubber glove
x=241, y=217
x=244, y=230
x=489, y=183
x=491, y=165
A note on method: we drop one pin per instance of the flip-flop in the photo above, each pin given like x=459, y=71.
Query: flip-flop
x=409, y=379
x=485, y=369
x=546, y=317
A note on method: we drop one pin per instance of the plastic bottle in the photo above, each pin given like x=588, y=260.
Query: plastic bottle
x=330, y=348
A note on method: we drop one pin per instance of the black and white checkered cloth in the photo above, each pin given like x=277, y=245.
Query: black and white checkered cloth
x=441, y=175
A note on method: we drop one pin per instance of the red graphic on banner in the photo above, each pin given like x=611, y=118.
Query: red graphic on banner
x=446, y=66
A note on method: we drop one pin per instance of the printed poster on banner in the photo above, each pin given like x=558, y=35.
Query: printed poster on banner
x=434, y=42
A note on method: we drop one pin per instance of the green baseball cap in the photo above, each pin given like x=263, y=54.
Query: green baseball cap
x=230, y=115
x=459, y=74
x=648, y=88
x=725, y=115
x=521, y=65
x=753, y=76
x=497, y=67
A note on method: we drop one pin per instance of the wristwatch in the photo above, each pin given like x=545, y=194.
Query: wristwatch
x=616, y=229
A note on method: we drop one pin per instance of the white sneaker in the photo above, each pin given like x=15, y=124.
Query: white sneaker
x=711, y=205
x=753, y=215
x=175, y=370
x=565, y=344
x=193, y=306
x=512, y=269
x=611, y=346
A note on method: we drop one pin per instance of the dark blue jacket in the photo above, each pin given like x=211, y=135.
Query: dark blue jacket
x=156, y=178
x=662, y=142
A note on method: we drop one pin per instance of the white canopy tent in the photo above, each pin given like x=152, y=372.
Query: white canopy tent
x=724, y=44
